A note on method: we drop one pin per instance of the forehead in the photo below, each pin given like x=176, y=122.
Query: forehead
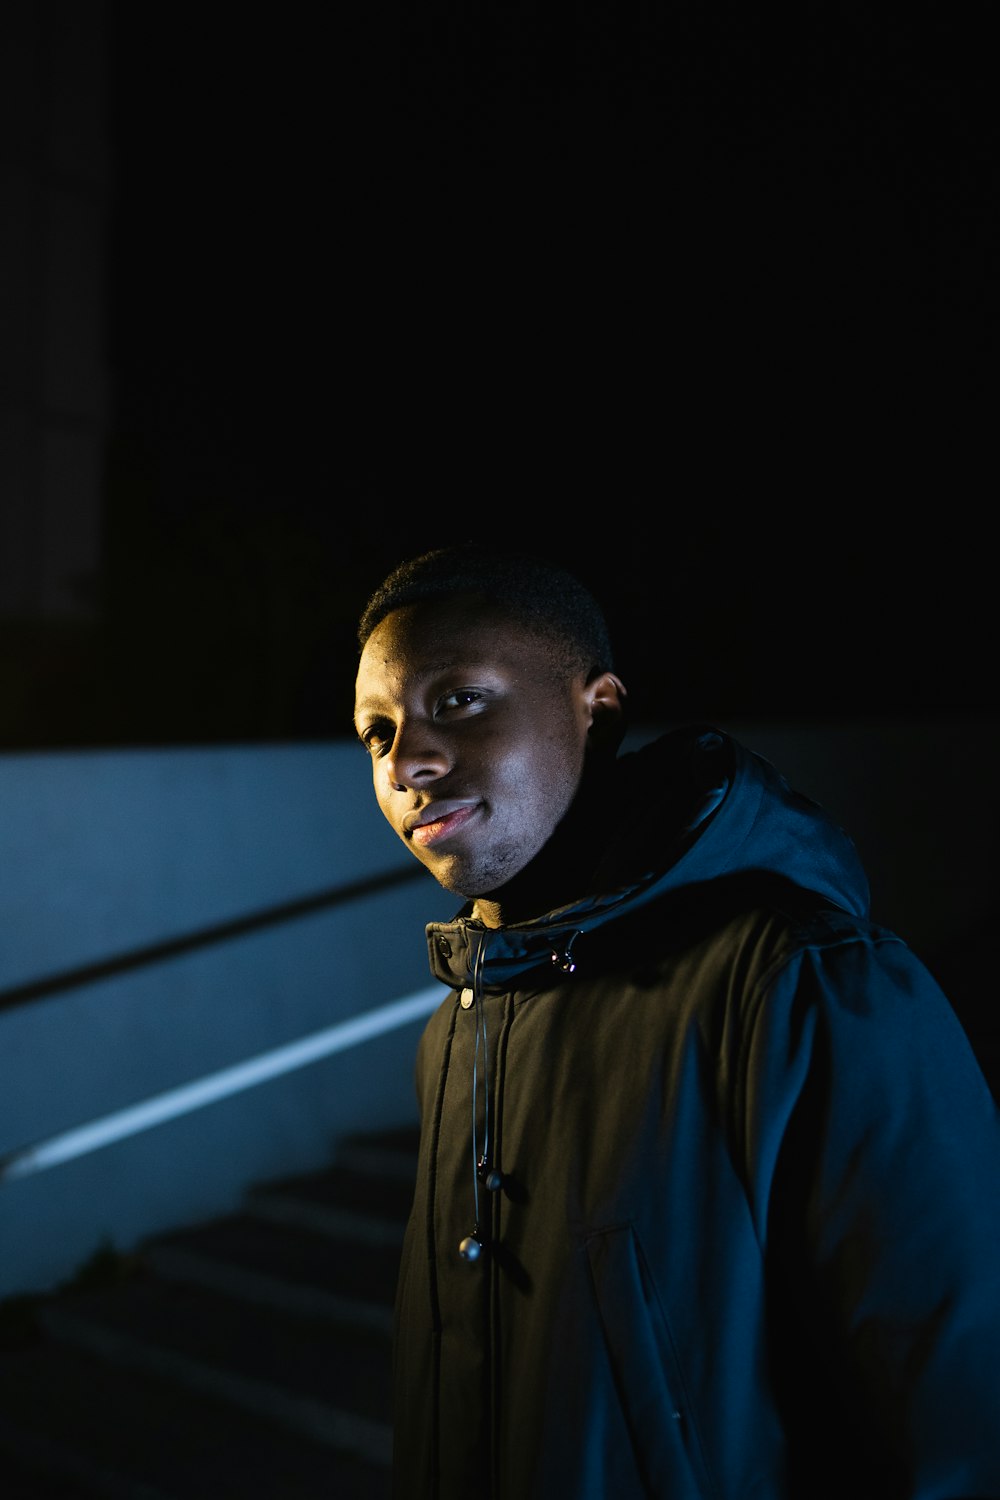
x=421, y=640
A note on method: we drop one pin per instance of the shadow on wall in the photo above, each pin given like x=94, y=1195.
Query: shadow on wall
x=902, y=791
x=898, y=790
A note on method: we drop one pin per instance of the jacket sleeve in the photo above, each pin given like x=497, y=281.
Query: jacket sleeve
x=874, y=1148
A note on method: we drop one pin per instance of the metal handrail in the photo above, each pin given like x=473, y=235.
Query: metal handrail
x=205, y=937
x=37, y=1156
x=83, y=1139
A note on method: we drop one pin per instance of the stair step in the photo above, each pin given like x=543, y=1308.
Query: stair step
x=263, y=1290
x=244, y=1357
x=396, y=1160
x=325, y=1218
x=171, y=1325
x=81, y=1426
x=295, y=1410
x=300, y=1257
x=341, y=1188
x=403, y=1140
x=374, y=1172
x=39, y=1467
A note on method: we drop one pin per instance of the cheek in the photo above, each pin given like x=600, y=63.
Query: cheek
x=383, y=791
x=546, y=776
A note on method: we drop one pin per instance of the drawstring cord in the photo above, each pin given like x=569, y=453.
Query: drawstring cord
x=471, y=1247
x=479, y=1162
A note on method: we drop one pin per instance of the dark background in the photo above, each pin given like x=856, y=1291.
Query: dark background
x=700, y=303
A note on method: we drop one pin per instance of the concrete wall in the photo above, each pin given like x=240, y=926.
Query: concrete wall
x=103, y=854
x=106, y=853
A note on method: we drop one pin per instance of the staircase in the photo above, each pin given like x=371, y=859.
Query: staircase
x=246, y=1358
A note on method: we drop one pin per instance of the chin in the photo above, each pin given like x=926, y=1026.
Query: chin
x=449, y=879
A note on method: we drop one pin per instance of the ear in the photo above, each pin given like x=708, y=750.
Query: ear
x=605, y=696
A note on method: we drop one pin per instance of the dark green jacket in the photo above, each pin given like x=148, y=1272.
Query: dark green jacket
x=746, y=1238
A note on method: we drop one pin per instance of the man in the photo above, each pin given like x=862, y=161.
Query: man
x=709, y=1187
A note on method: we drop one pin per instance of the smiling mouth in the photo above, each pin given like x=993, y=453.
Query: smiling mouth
x=426, y=834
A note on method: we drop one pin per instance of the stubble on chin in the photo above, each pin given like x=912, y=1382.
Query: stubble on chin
x=472, y=880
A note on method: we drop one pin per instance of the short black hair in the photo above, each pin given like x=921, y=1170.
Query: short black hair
x=541, y=595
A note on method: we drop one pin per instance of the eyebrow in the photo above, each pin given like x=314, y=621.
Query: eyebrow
x=427, y=672
x=365, y=705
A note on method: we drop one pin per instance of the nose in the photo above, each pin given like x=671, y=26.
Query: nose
x=416, y=756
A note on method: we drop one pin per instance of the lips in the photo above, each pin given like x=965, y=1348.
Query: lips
x=438, y=821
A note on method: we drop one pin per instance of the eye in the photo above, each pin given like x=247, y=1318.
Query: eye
x=376, y=737
x=460, y=698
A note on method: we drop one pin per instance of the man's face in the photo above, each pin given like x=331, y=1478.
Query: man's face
x=476, y=738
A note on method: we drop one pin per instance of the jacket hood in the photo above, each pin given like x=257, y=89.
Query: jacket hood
x=690, y=807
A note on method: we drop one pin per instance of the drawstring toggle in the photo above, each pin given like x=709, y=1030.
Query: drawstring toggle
x=564, y=961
